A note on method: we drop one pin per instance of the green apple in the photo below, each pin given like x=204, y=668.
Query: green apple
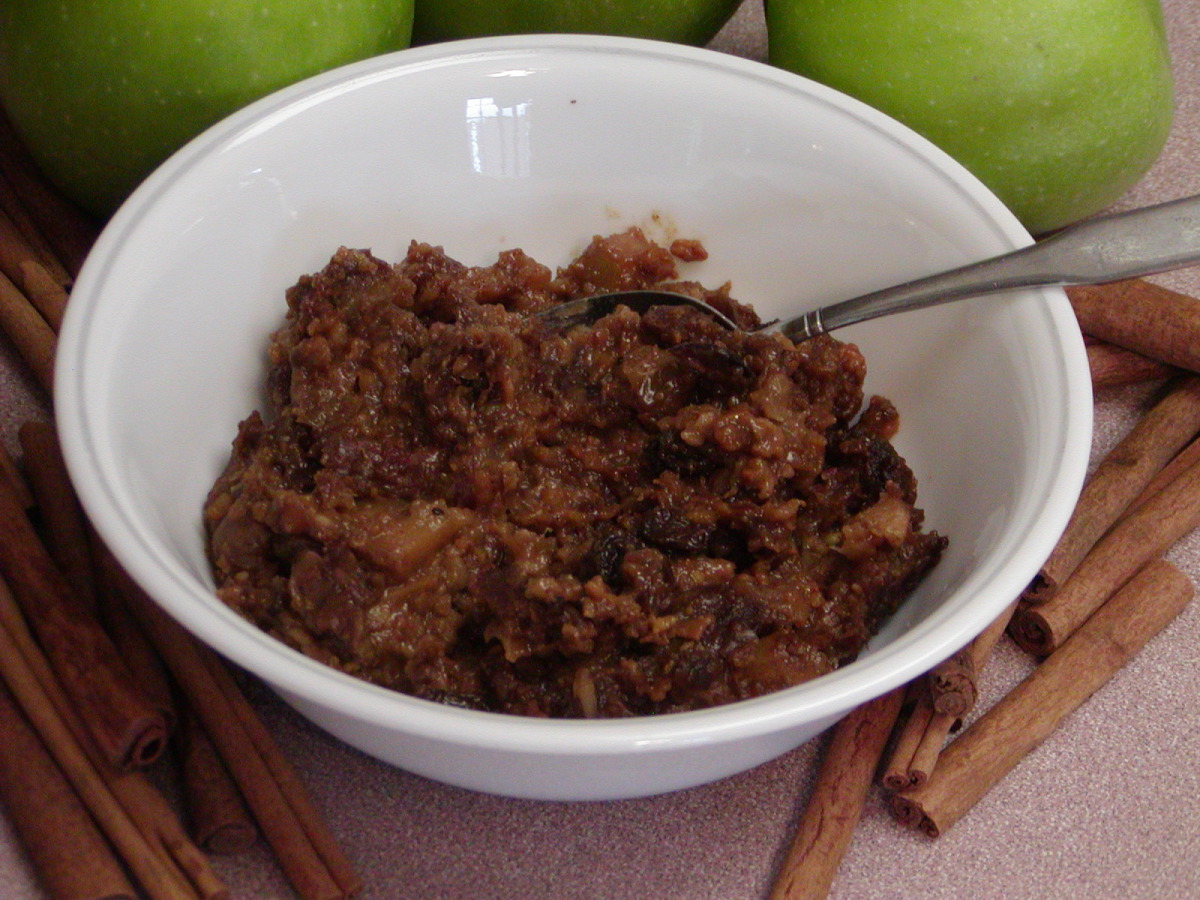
x=101, y=91
x=1058, y=106
x=682, y=21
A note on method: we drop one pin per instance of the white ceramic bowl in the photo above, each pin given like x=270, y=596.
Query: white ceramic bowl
x=800, y=195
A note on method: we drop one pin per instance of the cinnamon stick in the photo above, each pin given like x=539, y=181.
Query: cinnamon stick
x=944, y=696
x=929, y=750
x=127, y=635
x=125, y=725
x=991, y=746
x=308, y=855
x=918, y=747
x=1142, y=316
x=1144, y=534
x=92, y=573
x=11, y=475
x=47, y=296
x=30, y=335
x=1119, y=478
x=220, y=822
x=1112, y=366
x=25, y=269
x=953, y=684
x=68, y=231
x=837, y=800
x=58, y=508
x=70, y=857
x=282, y=773
x=1187, y=457
x=131, y=814
x=11, y=206
x=898, y=773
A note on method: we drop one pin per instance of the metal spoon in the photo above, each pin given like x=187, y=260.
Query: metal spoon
x=1108, y=248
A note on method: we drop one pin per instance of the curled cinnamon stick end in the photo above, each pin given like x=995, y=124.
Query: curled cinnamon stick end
x=1032, y=632
x=952, y=684
x=142, y=660
x=989, y=748
x=219, y=819
x=897, y=773
x=925, y=757
x=909, y=813
x=69, y=855
x=837, y=799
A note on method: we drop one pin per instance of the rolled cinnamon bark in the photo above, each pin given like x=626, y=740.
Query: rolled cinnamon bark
x=68, y=231
x=943, y=697
x=16, y=483
x=1112, y=366
x=989, y=748
x=58, y=508
x=1141, y=316
x=27, y=269
x=1118, y=480
x=11, y=206
x=131, y=813
x=127, y=635
x=30, y=335
x=1143, y=535
x=929, y=749
x=910, y=731
x=47, y=295
x=69, y=854
x=220, y=822
x=127, y=728
x=1187, y=457
x=837, y=799
x=94, y=575
x=307, y=853
x=954, y=684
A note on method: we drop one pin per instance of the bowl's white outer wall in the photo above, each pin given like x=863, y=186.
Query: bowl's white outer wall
x=801, y=196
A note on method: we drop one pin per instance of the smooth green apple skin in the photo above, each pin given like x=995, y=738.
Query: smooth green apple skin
x=682, y=21
x=1058, y=106
x=102, y=91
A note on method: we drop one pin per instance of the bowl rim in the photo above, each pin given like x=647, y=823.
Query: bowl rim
x=289, y=671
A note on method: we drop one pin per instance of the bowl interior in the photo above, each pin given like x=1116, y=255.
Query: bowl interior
x=800, y=195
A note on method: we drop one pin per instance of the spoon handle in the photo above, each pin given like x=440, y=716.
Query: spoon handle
x=1109, y=248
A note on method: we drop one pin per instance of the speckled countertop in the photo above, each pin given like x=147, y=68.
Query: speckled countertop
x=1108, y=807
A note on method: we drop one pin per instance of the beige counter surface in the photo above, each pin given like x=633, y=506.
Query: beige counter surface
x=1107, y=807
